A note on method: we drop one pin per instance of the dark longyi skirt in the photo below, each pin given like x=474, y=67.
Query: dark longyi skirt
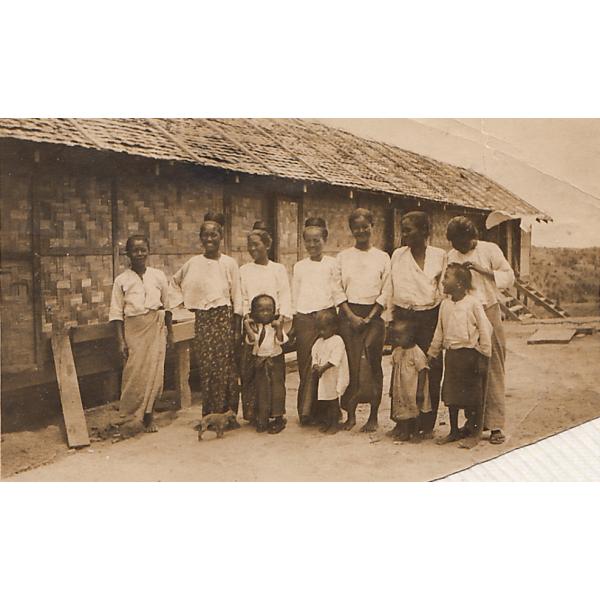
x=365, y=351
x=214, y=348
x=463, y=381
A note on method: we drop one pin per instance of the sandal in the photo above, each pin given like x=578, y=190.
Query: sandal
x=497, y=437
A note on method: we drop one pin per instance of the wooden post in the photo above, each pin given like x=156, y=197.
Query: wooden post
x=36, y=261
x=182, y=374
x=227, y=193
x=70, y=398
x=114, y=209
x=183, y=333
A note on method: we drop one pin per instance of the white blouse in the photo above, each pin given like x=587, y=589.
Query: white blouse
x=334, y=381
x=315, y=285
x=271, y=279
x=413, y=287
x=133, y=295
x=488, y=255
x=270, y=345
x=204, y=283
x=462, y=324
x=365, y=276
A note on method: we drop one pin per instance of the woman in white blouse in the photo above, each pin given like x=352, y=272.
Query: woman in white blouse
x=143, y=328
x=315, y=288
x=364, y=292
x=262, y=276
x=417, y=272
x=209, y=285
x=490, y=272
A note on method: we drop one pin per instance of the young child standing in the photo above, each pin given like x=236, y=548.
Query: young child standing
x=264, y=333
x=330, y=369
x=409, y=390
x=464, y=332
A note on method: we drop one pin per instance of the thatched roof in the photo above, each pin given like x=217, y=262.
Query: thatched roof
x=287, y=148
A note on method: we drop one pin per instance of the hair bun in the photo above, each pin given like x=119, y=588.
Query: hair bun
x=315, y=222
x=260, y=226
x=215, y=217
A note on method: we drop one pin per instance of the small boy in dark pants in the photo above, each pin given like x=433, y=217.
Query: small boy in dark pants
x=264, y=332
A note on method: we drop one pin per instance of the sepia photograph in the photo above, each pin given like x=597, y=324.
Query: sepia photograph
x=300, y=299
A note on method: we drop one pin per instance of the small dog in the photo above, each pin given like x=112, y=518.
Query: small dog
x=217, y=422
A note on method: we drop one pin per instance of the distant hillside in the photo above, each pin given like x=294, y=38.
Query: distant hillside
x=570, y=274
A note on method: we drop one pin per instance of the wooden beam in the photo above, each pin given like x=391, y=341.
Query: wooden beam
x=278, y=142
x=231, y=139
x=319, y=150
x=114, y=224
x=36, y=263
x=70, y=398
x=157, y=124
x=182, y=374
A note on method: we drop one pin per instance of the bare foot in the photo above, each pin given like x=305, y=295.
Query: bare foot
x=150, y=428
x=349, y=424
x=324, y=428
x=393, y=432
x=427, y=435
x=470, y=442
x=417, y=438
x=333, y=429
x=401, y=436
x=453, y=436
x=369, y=426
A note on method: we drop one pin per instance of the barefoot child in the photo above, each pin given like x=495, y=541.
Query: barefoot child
x=330, y=369
x=264, y=333
x=464, y=332
x=409, y=390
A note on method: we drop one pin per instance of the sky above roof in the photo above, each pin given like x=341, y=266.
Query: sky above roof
x=552, y=163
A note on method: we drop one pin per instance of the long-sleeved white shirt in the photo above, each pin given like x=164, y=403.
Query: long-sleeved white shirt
x=365, y=276
x=133, y=295
x=488, y=255
x=271, y=279
x=315, y=285
x=462, y=324
x=413, y=287
x=203, y=283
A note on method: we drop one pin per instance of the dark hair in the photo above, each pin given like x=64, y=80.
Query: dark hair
x=214, y=217
x=463, y=274
x=357, y=213
x=135, y=238
x=258, y=298
x=317, y=222
x=259, y=228
x=420, y=219
x=461, y=227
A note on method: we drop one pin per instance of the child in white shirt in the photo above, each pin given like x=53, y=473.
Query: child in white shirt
x=330, y=369
x=409, y=390
x=464, y=332
x=264, y=333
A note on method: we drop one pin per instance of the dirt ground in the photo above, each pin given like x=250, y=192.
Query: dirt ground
x=549, y=388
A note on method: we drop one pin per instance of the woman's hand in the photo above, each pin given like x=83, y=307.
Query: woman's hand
x=479, y=269
x=357, y=323
x=123, y=350
x=170, y=340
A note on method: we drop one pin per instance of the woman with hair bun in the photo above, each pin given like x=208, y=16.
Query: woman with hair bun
x=315, y=289
x=491, y=272
x=363, y=296
x=209, y=286
x=417, y=292
x=259, y=277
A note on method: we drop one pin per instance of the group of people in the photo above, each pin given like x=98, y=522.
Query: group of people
x=440, y=309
